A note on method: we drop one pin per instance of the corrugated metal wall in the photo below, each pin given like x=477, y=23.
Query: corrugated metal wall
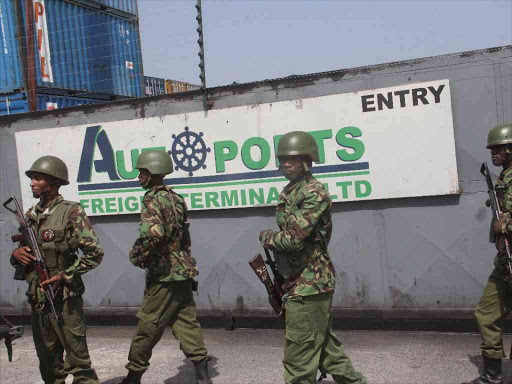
x=398, y=256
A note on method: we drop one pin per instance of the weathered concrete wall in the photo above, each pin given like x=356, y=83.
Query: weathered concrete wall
x=399, y=257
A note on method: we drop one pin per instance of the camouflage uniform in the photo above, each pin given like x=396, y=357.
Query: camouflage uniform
x=304, y=219
x=496, y=301
x=71, y=231
x=163, y=249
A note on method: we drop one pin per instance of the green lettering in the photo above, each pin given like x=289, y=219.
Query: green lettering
x=264, y=148
x=229, y=200
x=256, y=197
x=212, y=199
x=221, y=157
x=344, y=187
x=196, y=200
x=84, y=203
x=131, y=204
x=356, y=146
x=359, y=190
x=121, y=167
x=320, y=136
x=110, y=204
x=97, y=206
x=243, y=195
x=273, y=195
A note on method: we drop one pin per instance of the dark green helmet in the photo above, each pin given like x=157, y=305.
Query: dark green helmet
x=157, y=162
x=50, y=165
x=298, y=143
x=499, y=135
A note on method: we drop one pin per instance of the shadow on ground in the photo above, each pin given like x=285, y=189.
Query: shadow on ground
x=477, y=361
x=187, y=375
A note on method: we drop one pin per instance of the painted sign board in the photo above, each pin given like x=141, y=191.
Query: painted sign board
x=376, y=144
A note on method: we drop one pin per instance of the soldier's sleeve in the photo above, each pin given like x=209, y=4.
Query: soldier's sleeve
x=83, y=237
x=12, y=259
x=151, y=232
x=300, y=223
x=507, y=210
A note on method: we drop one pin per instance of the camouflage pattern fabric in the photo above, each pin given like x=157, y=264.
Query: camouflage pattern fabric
x=496, y=301
x=504, y=193
x=163, y=247
x=304, y=218
x=73, y=231
x=78, y=234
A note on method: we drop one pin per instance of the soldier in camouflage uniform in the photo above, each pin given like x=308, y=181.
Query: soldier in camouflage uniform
x=300, y=248
x=163, y=249
x=61, y=228
x=496, y=301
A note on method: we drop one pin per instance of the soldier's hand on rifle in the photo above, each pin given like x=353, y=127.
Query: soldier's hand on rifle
x=499, y=226
x=23, y=255
x=54, y=281
x=263, y=238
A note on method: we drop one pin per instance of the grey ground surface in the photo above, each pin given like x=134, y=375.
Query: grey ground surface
x=249, y=356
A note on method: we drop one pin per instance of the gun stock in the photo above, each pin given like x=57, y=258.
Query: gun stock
x=274, y=293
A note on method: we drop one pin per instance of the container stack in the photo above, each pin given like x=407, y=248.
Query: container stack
x=155, y=86
x=61, y=53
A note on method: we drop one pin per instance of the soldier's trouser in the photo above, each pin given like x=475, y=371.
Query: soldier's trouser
x=166, y=304
x=495, y=305
x=311, y=344
x=52, y=339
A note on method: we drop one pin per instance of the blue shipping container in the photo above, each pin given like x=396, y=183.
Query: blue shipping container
x=128, y=6
x=154, y=86
x=79, y=49
x=18, y=102
x=10, y=63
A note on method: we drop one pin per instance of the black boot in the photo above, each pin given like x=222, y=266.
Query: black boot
x=491, y=373
x=133, y=377
x=202, y=374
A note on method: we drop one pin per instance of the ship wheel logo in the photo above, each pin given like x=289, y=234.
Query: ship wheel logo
x=189, y=151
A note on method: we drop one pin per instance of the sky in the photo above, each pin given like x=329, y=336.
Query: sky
x=263, y=39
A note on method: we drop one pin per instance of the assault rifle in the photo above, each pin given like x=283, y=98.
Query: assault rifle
x=9, y=332
x=27, y=237
x=274, y=288
x=495, y=207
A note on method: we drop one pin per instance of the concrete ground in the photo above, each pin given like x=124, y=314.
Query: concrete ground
x=250, y=356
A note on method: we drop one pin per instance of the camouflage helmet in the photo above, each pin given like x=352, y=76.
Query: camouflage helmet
x=298, y=143
x=156, y=161
x=50, y=165
x=499, y=135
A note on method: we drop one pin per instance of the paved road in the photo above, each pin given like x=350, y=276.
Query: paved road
x=248, y=356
